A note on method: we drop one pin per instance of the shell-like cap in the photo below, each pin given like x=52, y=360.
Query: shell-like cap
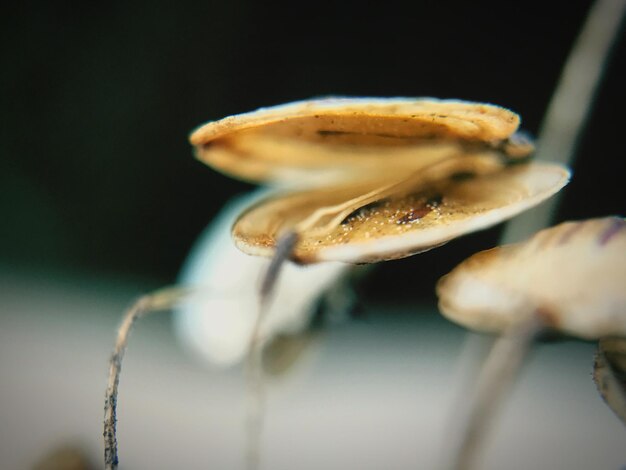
x=609, y=370
x=322, y=139
x=376, y=178
x=376, y=220
x=573, y=274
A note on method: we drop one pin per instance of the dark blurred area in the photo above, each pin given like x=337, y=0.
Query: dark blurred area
x=98, y=100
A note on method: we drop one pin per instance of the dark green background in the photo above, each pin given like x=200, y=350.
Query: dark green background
x=97, y=101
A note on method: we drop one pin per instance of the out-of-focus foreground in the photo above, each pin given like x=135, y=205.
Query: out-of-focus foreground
x=376, y=393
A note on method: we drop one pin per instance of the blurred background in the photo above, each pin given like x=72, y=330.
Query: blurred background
x=101, y=198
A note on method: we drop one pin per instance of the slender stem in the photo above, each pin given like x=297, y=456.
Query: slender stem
x=159, y=300
x=255, y=390
x=570, y=106
x=497, y=375
x=255, y=394
x=560, y=131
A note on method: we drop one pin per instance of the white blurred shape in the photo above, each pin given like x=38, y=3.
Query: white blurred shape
x=217, y=323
